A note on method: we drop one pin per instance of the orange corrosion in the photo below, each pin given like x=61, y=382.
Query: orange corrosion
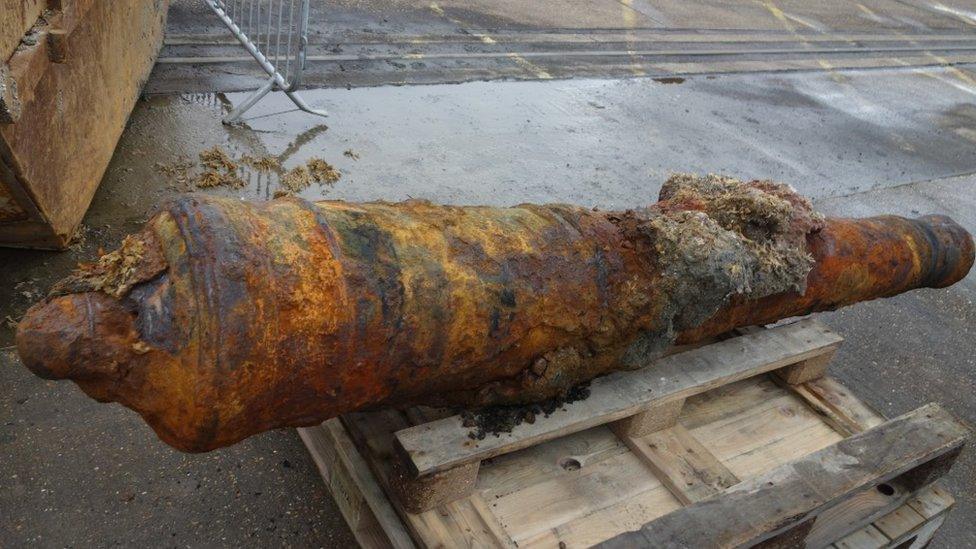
x=223, y=319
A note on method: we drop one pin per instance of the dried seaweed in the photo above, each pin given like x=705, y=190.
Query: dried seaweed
x=297, y=179
x=322, y=171
x=216, y=159
x=262, y=163
x=210, y=179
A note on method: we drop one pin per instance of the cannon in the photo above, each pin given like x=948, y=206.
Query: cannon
x=222, y=318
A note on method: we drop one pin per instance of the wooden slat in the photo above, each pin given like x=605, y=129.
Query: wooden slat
x=771, y=503
x=557, y=458
x=464, y=523
x=899, y=522
x=686, y=467
x=856, y=513
x=578, y=493
x=764, y=434
x=868, y=537
x=920, y=537
x=728, y=400
x=624, y=516
x=840, y=408
x=444, y=444
x=932, y=501
x=794, y=445
x=372, y=519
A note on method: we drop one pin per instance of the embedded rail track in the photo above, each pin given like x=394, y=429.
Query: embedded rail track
x=207, y=62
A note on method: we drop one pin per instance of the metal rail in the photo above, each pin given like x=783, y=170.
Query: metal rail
x=275, y=33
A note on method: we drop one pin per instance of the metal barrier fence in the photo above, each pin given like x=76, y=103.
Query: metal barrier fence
x=275, y=33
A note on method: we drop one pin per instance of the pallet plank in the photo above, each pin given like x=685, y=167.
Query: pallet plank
x=921, y=536
x=857, y=512
x=682, y=463
x=932, y=501
x=624, y=516
x=444, y=444
x=765, y=434
x=372, y=519
x=868, y=537
x=510, y=473
x=899, y=522
x=728, y=400
x=840, y=408
x=464, y=523
x=569, y=497
x=771, y=503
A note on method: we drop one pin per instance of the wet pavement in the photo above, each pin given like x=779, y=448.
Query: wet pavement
x=859, y=142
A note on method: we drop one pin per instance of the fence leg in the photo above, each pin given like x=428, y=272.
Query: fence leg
x=238, y=111
x=301, y=104
x=277, y=81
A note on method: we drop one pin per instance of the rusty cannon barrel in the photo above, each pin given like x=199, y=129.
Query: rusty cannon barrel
x=223, y=319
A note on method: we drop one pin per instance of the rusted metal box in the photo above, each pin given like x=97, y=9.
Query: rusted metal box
x=70, y=74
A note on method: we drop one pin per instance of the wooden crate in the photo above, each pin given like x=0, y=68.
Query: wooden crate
x=740, y=442
x=65, y=98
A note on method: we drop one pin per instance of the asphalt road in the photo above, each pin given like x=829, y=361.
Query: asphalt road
x=859, y=141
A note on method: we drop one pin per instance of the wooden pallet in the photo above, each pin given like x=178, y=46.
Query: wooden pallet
x=740, y=442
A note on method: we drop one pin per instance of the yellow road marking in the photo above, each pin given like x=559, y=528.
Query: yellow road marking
x=967, y=17
x=785, y=20
x=630, y=21
x=868, y=11
x=486, y=39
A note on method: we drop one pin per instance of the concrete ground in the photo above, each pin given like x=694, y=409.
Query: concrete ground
x=863, y=141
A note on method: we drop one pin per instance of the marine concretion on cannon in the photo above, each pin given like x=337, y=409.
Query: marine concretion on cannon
x=223, y=319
